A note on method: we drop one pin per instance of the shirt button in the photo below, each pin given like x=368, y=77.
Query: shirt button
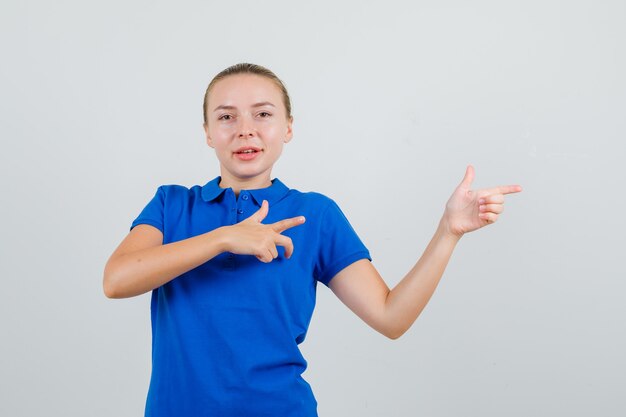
x=240, y=211
x=245, y=196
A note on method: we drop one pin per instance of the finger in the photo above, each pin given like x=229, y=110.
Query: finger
x=489, y=217
x=283, y=225
x=266, y=256
x=261, y=213
x=510, y=189
x=469, y=177
x=273, y=251
x=491, y=208
x=287, y=243
x=492, y=199
x=504, y=189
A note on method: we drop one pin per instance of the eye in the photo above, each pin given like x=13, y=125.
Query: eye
x=225, y=117
x=264, y=114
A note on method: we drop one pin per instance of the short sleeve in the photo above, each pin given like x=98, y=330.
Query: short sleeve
x=339, y=245
x=152, y=213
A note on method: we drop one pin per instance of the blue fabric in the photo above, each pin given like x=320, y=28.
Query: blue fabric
x=225, y=335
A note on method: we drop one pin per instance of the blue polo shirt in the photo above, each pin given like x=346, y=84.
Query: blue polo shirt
x=225, y=335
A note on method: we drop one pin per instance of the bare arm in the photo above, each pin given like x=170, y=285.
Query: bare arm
x=392, y=312
x=142, y=263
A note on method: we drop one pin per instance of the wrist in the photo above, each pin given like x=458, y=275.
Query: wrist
x=218, y=238
x=446, y=231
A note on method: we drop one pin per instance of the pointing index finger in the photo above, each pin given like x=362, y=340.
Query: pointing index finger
x=505, y=189
x=510, y=189
x=283, y=225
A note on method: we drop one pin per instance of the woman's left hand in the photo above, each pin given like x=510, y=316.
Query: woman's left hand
x=468, y=210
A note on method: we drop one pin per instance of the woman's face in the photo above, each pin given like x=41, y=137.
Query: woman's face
x=247, y=127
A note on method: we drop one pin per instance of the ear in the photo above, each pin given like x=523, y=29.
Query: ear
x=209, y=141
x=289, y=134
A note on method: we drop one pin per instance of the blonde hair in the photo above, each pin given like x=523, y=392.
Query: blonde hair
x=247, y=68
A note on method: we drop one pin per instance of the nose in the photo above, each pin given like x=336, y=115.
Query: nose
x=246, y=129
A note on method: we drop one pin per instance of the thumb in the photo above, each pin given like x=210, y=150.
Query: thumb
x=261, y=213
x=469, y=177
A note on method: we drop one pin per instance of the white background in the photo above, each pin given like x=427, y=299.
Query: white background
x=101, y=102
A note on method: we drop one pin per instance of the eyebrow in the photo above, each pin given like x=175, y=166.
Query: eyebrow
x=261, y=104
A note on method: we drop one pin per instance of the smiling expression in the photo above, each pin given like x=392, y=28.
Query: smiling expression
x=247, y=127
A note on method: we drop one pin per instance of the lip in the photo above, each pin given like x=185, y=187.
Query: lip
x=247, y=156
x=245, y=148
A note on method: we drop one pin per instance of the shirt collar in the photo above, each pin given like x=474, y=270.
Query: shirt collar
x=275, y=192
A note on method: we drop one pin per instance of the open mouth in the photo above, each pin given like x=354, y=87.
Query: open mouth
x=247, y=153
x=248, y=150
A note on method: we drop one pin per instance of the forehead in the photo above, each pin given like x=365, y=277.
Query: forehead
x=244, y=89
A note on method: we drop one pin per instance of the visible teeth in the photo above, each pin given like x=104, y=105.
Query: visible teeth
x=248, y=151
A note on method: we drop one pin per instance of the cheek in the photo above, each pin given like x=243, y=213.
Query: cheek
x=222, y=129
x=221, y=135
x=274, y=131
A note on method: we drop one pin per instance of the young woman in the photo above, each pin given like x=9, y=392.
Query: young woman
x=233, y=265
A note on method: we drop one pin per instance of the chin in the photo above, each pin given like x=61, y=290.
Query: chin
x=247, y=175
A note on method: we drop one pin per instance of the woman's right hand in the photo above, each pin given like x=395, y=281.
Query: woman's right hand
x=251, y=237
x=142, y=262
